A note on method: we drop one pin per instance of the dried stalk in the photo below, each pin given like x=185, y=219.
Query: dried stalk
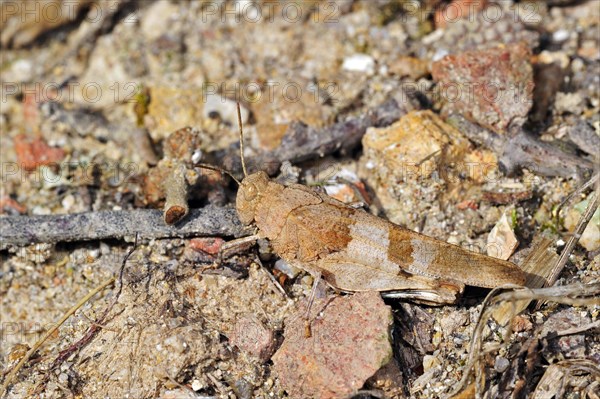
x=207, y=221
x=573, y=294
x=581, y=225
x=176, y=191
x=13, y=373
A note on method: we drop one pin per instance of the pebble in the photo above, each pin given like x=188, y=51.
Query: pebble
x=501, y=364
x=63, y=378
x=430, y=362
x=22, y=70
x=359, y=63
x=572, y=103
x=560, y=35
x=287, y=269
x=349, y=342
x=253, y=337
x=468, y=84
x=68, y=202
x=502, y=241
x=197, y=385
x=590, y=239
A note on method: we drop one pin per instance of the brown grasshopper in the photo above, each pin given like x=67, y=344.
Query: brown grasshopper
x=354, y=250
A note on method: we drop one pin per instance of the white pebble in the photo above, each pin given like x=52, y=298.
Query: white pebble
x=68, y=202
x=560, y=35
x=22, y=70
x=197, y=385
x=359, y=63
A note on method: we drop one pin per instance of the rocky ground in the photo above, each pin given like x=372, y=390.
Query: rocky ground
x=468, y=121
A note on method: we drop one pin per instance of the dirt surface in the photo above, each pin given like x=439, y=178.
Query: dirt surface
x=362, y=97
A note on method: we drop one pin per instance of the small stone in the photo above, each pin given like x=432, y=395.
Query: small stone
x=521, y=323
x=493, y=87
x=68, y=202
x=158, y=19
x=348, y=343
x=502, y=241
x=501, y=364
x=590, y=239
x=287, y=269
x=414, y=68
x=171, y=108
x=560, y=35
x=181, y=144
x=197, y=385
x=251, y=336
x=430, y=362
x=63, y=378
x=405, y=148
x=290, y=102
x=359, y=63
x=22, y=70
x=34, y=152
x=10, y=206
x=452, y=321
x=572, y=103
x=559, y=58
x=567, y=346
x=203, y=249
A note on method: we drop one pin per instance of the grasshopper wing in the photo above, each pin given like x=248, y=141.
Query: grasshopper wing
x=428, y=257
x=352, y=275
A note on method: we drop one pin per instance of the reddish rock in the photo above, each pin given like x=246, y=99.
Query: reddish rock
x=34, y=152
x=466, y=204
x=208, y=245
x=492, y=87
x=9, y=205
x=349, y=342
x=251, y=336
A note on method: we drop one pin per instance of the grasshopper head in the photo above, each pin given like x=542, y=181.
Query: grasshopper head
x=249, y=195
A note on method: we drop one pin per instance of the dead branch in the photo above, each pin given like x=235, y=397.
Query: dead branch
x=521, y=149
x=302, y=142
x=208, y=221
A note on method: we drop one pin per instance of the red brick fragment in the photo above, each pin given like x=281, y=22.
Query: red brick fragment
x=208, y=245
x=492, y=87
x=34, y=152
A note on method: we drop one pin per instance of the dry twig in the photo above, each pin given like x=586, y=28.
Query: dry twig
x=522, y=150
x=11, y=376
x=207, y=221
x=581, y=225
x=572, y=294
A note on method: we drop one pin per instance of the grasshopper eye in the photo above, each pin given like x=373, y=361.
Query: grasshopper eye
x=250, y=192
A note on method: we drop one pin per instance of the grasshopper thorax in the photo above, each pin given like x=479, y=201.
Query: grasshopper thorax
x=249, y=195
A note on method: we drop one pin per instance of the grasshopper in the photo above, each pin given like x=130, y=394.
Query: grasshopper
x=353, y=250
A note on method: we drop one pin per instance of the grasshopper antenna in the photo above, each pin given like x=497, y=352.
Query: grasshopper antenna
x=239, y=115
